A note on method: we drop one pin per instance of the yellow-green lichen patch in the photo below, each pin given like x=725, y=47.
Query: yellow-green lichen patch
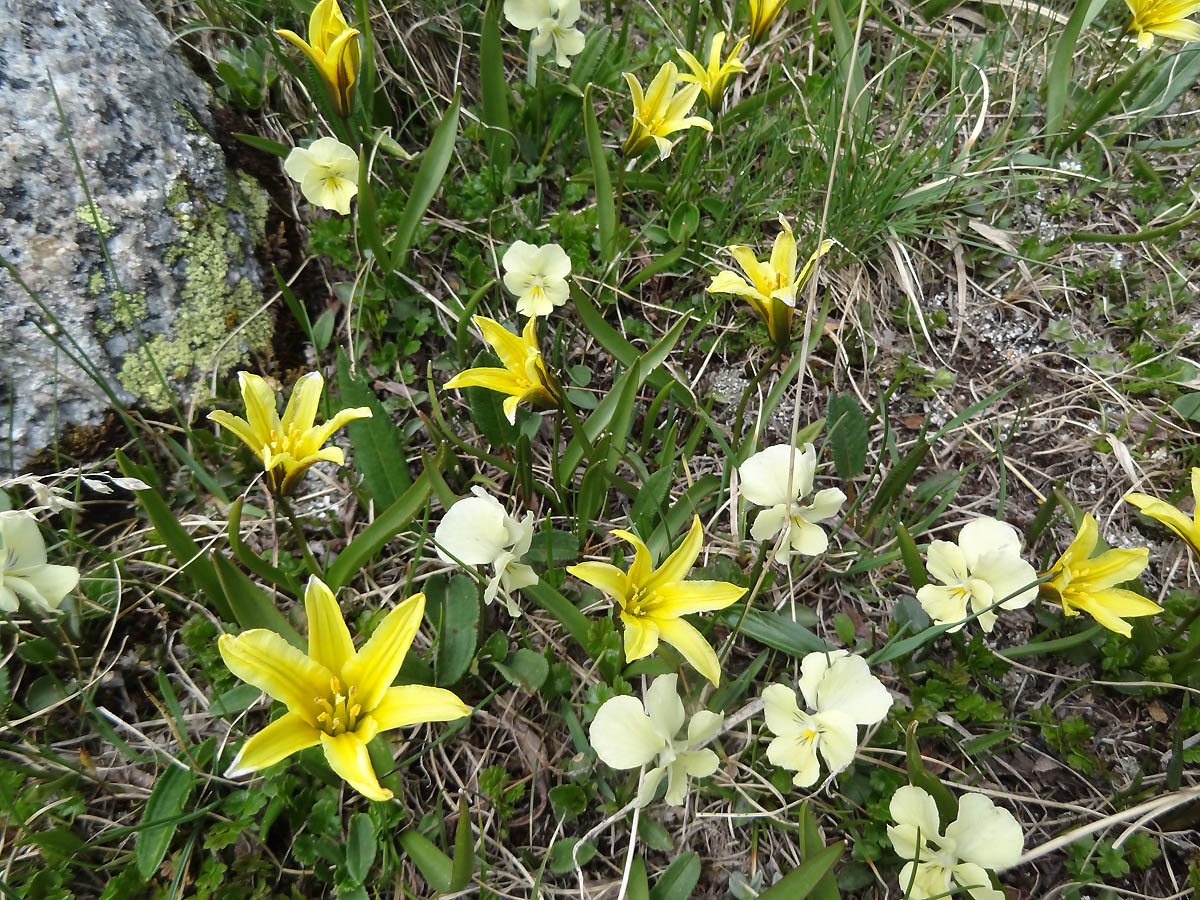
x=210, y=307
x=83, y=213
x=128, y=311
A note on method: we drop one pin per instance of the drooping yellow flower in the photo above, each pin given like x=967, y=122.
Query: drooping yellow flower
x=653, y=601
x=289, y=445
x=660, y=111
x=763, y=14
x=1164, y=512
x=336, y=696
x=332, y=46
x=327, y=171
x=524, y=376
x=1082, y=582
x=714, y=79
x=771, y=286
x=1166, y=18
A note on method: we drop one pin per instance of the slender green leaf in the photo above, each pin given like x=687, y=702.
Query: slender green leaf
x=656, y=267
x=386, y=526
x=378, y=447
x=921, y=777
x=810, y=846
x=567, y=613
x=606, y=213
x=1058, y=76
x=261, y=143
x=435, y=866
x=434, y=163
x=160, y=818
x=458, y=631
x=913, y=564
x=464, y=849
x=368, y=216
x=495, y=91
x=678, y=880
x=251, y=606
x=639, y=885
x=803, y=880
x=774, y=630
x=251, y=560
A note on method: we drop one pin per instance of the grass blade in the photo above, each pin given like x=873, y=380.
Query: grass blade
x=606, y=210
x=434, y=163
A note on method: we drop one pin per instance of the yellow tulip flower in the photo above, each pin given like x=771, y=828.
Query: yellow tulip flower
x=763, y=14
x=660, y=111
x=770, y=287
x=332, y=46
x=524, y=376
x=336, y=696
x=653, y=601
x=289, y=445
x=1082, y=582
x=1183, y=526
x=714, y=79
x=1166, y=18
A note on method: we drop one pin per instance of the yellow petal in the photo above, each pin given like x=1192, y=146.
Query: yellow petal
x=301, y=409
x=501, y=380
x=635, y=91
x=286, y=735
x=319, y=435
x=329, y=641
x=730, y=283
x=318, y=58
x=264, y=659
x=408, y=704
x=375, y=667
x=685, y=597
x=348, y=757
x=640, y=570
x=680, y=634
x=604, y=576
x=783, y=255
x=679, y=563
x=260, y=406
x=1168, y=515
x=509, y=347
x=510, y=405
x=1112, y=567
x=641, y=636
x=239, y=426
x=698, y=71
x=1082, y=546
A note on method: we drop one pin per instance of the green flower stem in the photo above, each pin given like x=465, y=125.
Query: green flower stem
x=775, y=356
x=310, y=562
x=757, y=576
x=1055, y=646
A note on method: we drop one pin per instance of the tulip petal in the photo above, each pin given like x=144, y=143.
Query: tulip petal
x=686, y=597
x=410, y=704
x=240, y=428
x=641, y=636
x=329, y=641
x=676, y=566
x=508, y=346
x=348, y=757
x=683, y=636
x=301, y=409
x=374, y=669
x=286, y=735
x=264, y=659
x=640, y=569
x=604, y=576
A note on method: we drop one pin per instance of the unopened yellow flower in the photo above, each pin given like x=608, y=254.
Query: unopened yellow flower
x=660, y=111
x=771, y=286
x=524, y=376
x=1164, y=512
x=332, y=46
x=763, y=14
x=714, y=79
x=653, y=601
x=327, y=171
x=1082, y=582
x=336, y=696
x=289, y=445
x=1166, y=18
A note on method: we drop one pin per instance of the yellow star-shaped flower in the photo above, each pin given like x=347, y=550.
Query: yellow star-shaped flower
x=289, y=445
x=1165, y=18
x=715, y=78
x=660, y=111
x=653, y=601
x=524, y=376
x=332, y=46
x=1084, y=582
x=1183, y=526
x=336, y=696
x=763, y=14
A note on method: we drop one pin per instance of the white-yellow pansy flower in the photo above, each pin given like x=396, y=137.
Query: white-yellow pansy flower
x=983, y=837
x=537, y=277
x=625, y=737
x=983, y=568
x=842, y=694
x=777, y=478
x=24, y=571
x=327, y=171
x=551, y=22
x=477, y=531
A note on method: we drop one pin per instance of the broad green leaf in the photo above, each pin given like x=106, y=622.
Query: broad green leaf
x=803, y=880
x=361, y=847
x=251, y=606
x=774, y=630
x=435, y=866
x=458, y=631
x=434, y=163
x=495, y=91
x=527, y=669
x=606, y=215
x=378, y=448
x=160, y=818
x=846, y=427
x=678, y=880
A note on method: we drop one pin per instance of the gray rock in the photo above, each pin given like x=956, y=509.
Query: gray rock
x=180, y=228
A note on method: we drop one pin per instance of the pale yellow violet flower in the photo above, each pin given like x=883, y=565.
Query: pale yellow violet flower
x=336, y=697
x=715, y=78
x=660, y=112
x=654, y=601
x=477, y=531
x=984, y=836
x=537, y=277
x=289, y=445
x=524, y=376
x=1184, y=526
x=771, y=287
x=842, y=694
x=327, y=171
x=1084, y=582
x=984, y=567
x=332, y=46
x=625, y=737
x=1165, y=18
x=763, y=14
x=24, y=571
x=551, y=22
x=777, y=478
